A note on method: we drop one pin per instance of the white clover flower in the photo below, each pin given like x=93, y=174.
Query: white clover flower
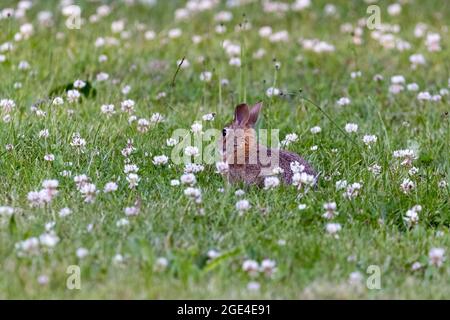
x=131, y=211
x=133, y=180
x=89, y=191
x=197, y=127
x=82, y=253
x=270, y=92
x=436, y=257
x=73, y=96
x=174, y=182
x=268, y=267
x=222, y=167
x=191, y=151
x=271, y=183
x=265, y=31
x=161, y=264
x=412, y=86
x=174, y=33
x=375, y=169
x=302, y=206
x=235, y=62
x=412, y=215
x=64, y=212
x=171, y=142
x=330, y=208
x=160, y=160
x=6, y=211
x=315, y=130
x=102, y=76
x=208, y=117
x=242, y=206
x=352, y=190
x=48, y=240
x=57, y=101
x=127, y=106
x=351, y=127
x=110, y=187
x=239, y=193
x=122, y=222
x=108, y=109
x=344, y=101
x=251, y=267
x=369, y=140
x=333, y=228
x=188, y=178
x=424, y=96
x=194, y=193
x=407, y=186
x=205, y=76
x=156, y=118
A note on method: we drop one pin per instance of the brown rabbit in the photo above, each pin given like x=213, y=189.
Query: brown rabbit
x=249, y=161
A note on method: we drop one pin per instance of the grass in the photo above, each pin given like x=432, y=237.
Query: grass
x=311, y=263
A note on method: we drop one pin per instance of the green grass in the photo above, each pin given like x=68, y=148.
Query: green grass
x=311, y=263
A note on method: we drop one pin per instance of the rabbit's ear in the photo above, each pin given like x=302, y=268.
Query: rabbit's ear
x=254, y=114
x=241, y=114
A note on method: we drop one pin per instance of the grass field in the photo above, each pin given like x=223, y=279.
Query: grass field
x=135, y=235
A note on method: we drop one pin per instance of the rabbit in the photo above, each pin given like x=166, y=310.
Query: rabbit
x=244, y=155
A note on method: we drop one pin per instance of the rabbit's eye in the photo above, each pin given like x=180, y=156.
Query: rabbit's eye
x=224, y=132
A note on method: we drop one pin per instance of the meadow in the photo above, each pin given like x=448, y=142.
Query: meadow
x=92, y=205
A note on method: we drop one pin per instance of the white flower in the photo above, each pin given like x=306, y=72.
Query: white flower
x=110, y=187
x=89, y=191
x=48, y=240
x=344, y=101
x=268, y=266
x=352, y=190
x=270, y=92
x=174, y=33
x=412, y=215
x=7, y=104
x=375, y=169
x=157, y=118
x=191, y=151
x=188, y=178
x=265, y=31
x=160, y=160
x=197, y=127
x=300, y=5
x=416, y=266
x=73, y=96
x=417, y=59
x=369, y=139
x=436, y=256
x=82, y=253
x=394, y=9
x=333, y=228
x=131, y=211
x=351, y=127
x=194, y=193
x=127, y=106
x=174, y=182
x=302, y=206
x=205, y=76
x=355, y=278
x=161, y=264
x=424, y=96
x=251, y=267
x=108, y=109
x=315, y=130
x=235, y=62
x=6, y=211
x=133, y=180
x=412, y=86
x=442, y=184
x=44, y=133
x=407, y=185
x=58, y=101
x=222, y=167
x=208, y=117
x=271, y=183
x=64, y=212
x=239, y=193
x=49, y=157
x=149, y=35
x=242, y=206
x=102, y=76
x=122, y=222
x=277, y=170
x=79, y=84
x=330, y=208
